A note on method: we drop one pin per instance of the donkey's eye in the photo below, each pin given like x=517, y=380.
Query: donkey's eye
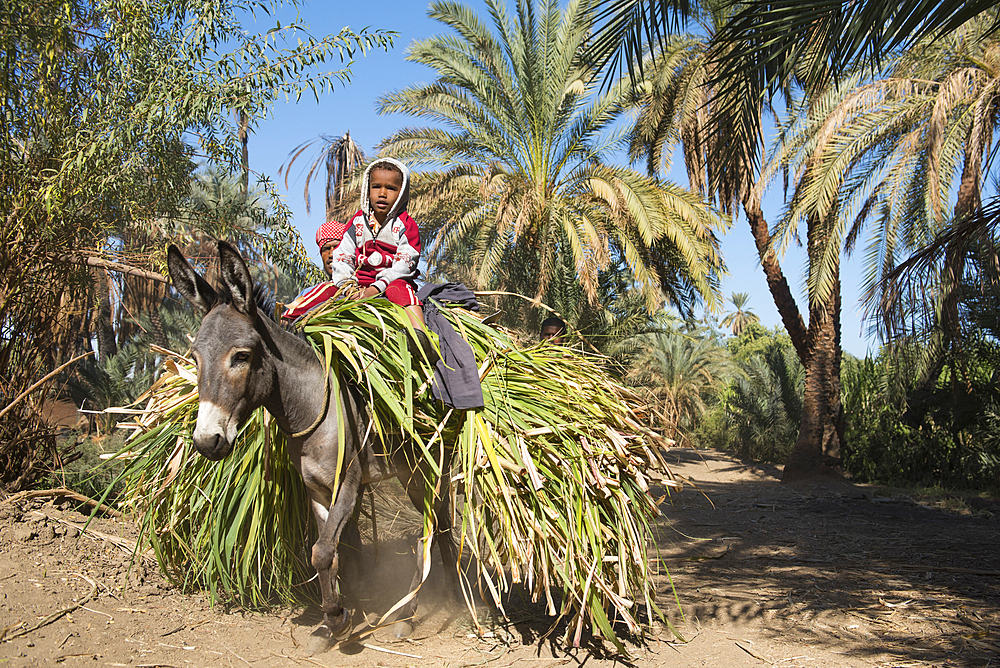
x=241, y=357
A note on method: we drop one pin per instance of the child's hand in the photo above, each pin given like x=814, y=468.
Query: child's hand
x=370, y=291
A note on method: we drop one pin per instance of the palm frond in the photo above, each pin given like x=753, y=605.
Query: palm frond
x=337, y=156
x=522, y=108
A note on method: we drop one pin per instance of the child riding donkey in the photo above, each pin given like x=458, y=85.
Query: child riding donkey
x=379, y=248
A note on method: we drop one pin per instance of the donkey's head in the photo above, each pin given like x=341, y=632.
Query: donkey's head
x=235, y=371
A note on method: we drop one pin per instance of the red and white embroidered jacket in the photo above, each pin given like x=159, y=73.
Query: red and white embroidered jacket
x=377, y=254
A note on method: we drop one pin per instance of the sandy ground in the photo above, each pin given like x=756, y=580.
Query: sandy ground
x=766, y=575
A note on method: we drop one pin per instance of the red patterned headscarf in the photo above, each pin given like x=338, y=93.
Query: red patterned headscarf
x=329, y=231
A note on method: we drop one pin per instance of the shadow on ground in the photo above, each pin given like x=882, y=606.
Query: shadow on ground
x=385, y=577
x=807, y=572
x=878, y=578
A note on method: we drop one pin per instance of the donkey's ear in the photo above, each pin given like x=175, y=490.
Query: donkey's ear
x=188, y=282
x=236, y=277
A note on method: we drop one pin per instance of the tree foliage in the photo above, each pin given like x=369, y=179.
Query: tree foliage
x=764, y=402
x=739, y=318
x=339, y=157
x=681, y=372
x=524, y=122
x=763, y=47
x=901, y=431
x=108, y=107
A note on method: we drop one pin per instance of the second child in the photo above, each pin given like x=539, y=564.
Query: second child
x=328, y=237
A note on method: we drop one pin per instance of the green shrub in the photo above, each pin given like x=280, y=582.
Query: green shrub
x=764, y=405
x=900, y=431
x=714, y=430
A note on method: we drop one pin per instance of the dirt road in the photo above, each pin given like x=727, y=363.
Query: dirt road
x=766, y=574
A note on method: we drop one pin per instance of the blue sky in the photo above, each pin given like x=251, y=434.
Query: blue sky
x=351, y=107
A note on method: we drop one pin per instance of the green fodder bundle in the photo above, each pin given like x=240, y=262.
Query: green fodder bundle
x=553, y=473
x=237, y=528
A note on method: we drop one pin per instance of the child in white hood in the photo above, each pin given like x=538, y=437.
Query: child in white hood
x=382, y=244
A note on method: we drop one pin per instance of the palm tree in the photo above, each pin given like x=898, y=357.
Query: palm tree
x=739, y=319
x=679, y=103
x=339, y=157
x=684, y=100
x=958, y=123
x=525, y=124
x=764, y=46
x=680, y=372
x=764, y=404
x=886, y=155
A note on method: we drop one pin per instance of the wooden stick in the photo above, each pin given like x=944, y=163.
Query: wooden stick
x=61, y=491
x=752, y=653
x=101, y=263
x=390, y=651
x=126, y=545
x=34, y=387
x=55, y=615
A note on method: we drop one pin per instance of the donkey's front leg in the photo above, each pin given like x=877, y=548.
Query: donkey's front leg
x=325, y=557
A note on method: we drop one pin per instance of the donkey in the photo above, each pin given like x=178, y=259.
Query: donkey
x=244, y=361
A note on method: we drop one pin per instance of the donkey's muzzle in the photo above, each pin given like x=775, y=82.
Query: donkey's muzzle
x=213, y=447
x=214, y=431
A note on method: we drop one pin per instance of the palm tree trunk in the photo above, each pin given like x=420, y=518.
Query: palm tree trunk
x=944, y=343
x=818, y=348
x=776, y=281
x=968, y=203
x=821, y=430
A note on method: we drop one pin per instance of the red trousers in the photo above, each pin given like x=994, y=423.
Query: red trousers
x=400, y=291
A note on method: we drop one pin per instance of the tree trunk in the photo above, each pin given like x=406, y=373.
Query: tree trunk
x=244, y=153
x=818, y=348
x=968, y=203
x=776, y=281
x=159, y=334
x=945, y=339
x=820, y=433
x=107, y=343
x=822, y=421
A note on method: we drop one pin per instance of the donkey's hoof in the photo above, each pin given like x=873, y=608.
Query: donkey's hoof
x=402, y=629
x=319, y=641
x=340, y=625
